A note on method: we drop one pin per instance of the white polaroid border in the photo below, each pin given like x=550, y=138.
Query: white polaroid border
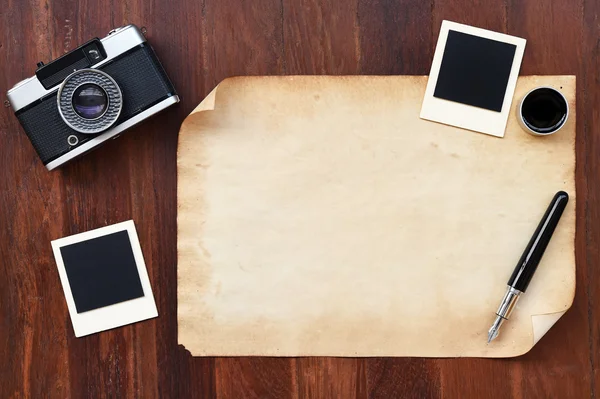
x=111, y=316
x=463, y=115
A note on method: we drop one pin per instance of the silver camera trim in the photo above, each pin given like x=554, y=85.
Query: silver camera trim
x=117, y=42
x=74, y=120
x=112, y=133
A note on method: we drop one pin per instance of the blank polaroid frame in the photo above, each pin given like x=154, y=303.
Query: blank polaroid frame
x=128, y=302
x=462, y=115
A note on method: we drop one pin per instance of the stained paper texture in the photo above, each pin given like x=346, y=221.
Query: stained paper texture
x=322, y=216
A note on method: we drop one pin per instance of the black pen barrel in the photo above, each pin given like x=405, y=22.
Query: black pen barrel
x=537, y=245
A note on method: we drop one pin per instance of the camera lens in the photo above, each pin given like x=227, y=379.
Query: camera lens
x=90, y=101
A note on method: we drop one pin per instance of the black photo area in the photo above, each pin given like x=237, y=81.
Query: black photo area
x=102, y=271
x=475, y=71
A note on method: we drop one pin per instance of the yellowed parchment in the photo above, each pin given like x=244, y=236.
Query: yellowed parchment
x=321, y=216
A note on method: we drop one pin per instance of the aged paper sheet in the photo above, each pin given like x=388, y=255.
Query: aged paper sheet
x=321, y=216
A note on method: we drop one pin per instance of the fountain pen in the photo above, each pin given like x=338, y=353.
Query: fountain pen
x=528, y=263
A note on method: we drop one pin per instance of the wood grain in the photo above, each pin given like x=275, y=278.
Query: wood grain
x=200, y=43
x=589, y=171
x=549, y=34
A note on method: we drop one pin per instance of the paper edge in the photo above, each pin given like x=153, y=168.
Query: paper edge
x=207, y=104
x=541, y=324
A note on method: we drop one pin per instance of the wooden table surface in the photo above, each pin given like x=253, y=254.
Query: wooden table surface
x=200, y=43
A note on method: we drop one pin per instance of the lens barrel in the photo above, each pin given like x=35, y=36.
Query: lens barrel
x=89, y=101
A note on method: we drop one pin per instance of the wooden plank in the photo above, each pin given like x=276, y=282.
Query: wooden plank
x=254, y=377
x=319, y=377
x=320, y=37
x=183, y=49
x=514, y=377
x=244, y=38
x=475, y=377
x=34, y=346
x=553, y=33
x=395, y=39
x=588, y=62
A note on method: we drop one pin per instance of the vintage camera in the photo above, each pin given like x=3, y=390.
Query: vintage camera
x=91, y=95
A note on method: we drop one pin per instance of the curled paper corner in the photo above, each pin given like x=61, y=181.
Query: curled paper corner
x=541, y=323
x=208, y=104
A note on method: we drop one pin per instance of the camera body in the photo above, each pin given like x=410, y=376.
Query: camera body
x=90, y=95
